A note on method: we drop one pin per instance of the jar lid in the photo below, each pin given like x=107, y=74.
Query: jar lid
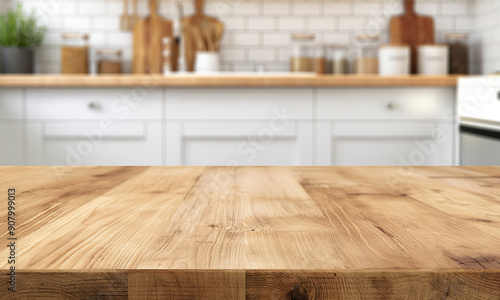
x=336, y=46
x=303, y=36
x=116, y=52
x=75, y=35
x=434, y=45
x=394, y=46
x=456, y=36
x=367, y=38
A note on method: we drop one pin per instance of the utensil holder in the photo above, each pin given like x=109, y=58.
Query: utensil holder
x=207, y=62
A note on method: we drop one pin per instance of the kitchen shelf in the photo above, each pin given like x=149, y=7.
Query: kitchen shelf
x=225, y=80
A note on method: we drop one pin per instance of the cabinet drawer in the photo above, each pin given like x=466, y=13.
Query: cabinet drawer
x=11, y=103
x=87, y=104
x=385, y=104
x=239, y=104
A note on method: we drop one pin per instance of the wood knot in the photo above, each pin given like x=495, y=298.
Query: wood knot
x=298, y=293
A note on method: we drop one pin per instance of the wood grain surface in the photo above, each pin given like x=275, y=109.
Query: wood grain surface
x=194, y=26
x=148, y=47
x=413, y=30
x=254, y=232
x=225, y=80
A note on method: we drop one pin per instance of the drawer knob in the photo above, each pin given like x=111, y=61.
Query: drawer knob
x=389, y=105
x=94, y=105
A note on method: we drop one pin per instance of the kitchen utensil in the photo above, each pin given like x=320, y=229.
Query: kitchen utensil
x=124, y=18
x=413, y=30
x=134, y=17
x=195, y=39
x=208, y=37
x=218, y=32
x=394, y=60
x=147, y=44
x=433, y=59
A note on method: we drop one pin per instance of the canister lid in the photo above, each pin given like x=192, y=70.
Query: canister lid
x=367, y=38
x=394, y=46
x=75, y=35
x=303, y=36
x=116, y=52
x=456, y=36
x=433, y=45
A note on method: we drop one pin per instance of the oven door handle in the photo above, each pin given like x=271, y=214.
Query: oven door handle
x=485, y=130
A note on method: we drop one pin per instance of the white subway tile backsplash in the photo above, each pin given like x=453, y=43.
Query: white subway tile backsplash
x=306, y=8
x=321, y=23
x=106, y=23
x=259, y=55
x=258, y=31
x=364, y=8
x=291, y=23
x=92, y=7
x=261, y=23
x=245, y=39
x=276, y=8
x=75, y=22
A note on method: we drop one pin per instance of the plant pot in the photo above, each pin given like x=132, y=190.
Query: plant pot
x=17, y=60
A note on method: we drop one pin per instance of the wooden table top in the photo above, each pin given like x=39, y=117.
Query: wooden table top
x=254, y=232
x=227, y=80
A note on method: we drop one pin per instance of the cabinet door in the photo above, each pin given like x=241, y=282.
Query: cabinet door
x=131, y=143
x=244, y=143
x=384, y=143
x=11, y=148
x=11, y=127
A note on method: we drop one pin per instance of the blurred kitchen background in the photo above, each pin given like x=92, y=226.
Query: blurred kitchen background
x=258, y=31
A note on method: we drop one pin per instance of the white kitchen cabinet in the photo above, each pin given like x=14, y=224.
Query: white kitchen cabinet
x=11, y=127
x=243, y=143
x=384, y=143
x=385, y=127
x=11, y=148
x=93, y=143
x=94, y=127
x=239, y=126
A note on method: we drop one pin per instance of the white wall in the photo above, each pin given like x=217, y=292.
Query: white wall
x=486, y=54
x=258, y=31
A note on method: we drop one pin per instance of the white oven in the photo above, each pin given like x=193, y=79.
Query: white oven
x=479, y=121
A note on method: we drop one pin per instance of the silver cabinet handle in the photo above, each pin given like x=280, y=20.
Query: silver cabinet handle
x=389, y=105
x=94, y=105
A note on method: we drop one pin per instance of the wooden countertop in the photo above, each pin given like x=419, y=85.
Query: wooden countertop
x=254, y=232
x=224, y=80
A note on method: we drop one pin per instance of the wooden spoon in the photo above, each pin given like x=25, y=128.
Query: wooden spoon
x=198, y=38
x=124, y=18
x=218, y=32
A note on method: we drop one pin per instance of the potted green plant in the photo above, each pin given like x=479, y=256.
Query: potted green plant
x=19, y=35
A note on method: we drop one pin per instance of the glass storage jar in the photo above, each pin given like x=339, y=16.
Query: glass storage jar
x=109, y=61
x=459, y=53
x=302, y=53
x=319, y=59
x=367, y=54
x=75, y=53
x=336, y=59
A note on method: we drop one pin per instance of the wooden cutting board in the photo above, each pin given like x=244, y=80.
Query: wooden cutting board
x=193, y=29
x=253, y=232
x=413, y=30
x=147, y=43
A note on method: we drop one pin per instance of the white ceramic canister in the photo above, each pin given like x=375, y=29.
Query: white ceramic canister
x=207, y=62
x=394, y=60
x=433, y=59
